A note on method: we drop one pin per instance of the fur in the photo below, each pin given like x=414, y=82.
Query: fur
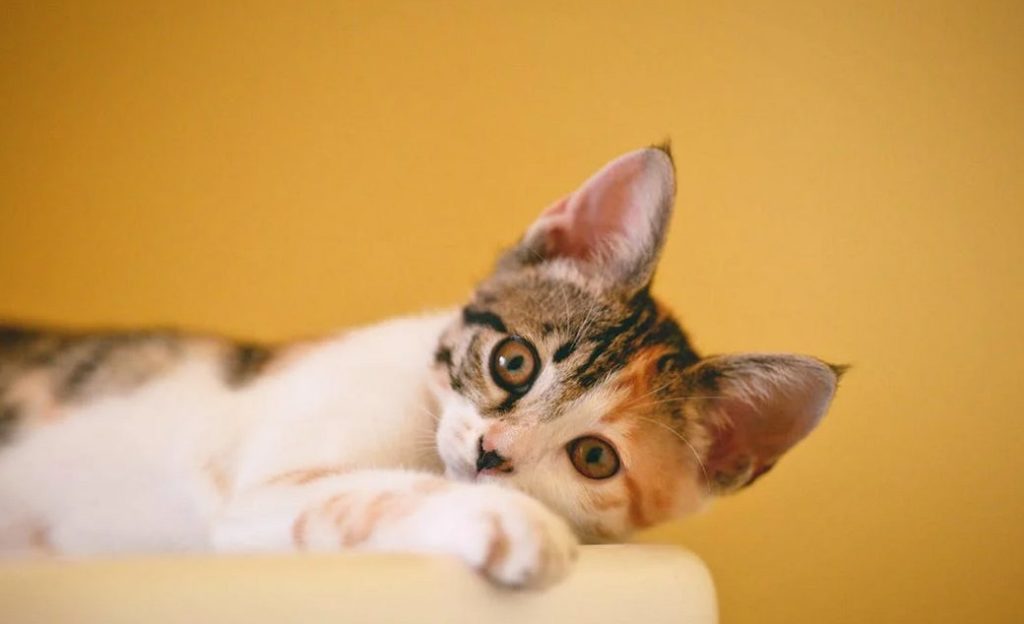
x=398, y=436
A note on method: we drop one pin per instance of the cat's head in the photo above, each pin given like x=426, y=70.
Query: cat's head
x=566, y=379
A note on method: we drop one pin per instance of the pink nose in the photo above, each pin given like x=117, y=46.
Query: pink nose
x=490, y=460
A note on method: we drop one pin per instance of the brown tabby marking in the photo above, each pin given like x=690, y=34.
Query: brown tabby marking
x=81, y=366
x=245, y=362
x=41, y=370
x=10, y=415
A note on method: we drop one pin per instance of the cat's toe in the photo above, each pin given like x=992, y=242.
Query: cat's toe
x=529, y=548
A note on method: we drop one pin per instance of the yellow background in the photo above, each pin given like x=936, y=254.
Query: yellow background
x=850, y=186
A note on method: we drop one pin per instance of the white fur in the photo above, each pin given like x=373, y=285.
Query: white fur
x=186, y=463
x=343, y=442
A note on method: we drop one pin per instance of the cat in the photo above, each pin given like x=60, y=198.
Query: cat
x=562, y=404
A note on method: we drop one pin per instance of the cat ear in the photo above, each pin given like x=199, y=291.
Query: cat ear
x=754, y=408
x=613, y=226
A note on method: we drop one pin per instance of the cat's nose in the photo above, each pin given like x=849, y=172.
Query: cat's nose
x=490, y=459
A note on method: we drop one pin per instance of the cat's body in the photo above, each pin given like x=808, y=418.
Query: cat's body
x=146, y=464
x=562, y=378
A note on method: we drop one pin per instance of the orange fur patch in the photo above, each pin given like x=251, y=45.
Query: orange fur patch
x=603, y=502
x=217, y=474
x=636, y=502
x=39, y=539
x=430, y=486
x=299, y=530
x=360, y=530
x=498, y=547
x=661, y=480
x=656, y=479
x=33, y=393
x=636, y=382
x=302, y=476
x=352, y=516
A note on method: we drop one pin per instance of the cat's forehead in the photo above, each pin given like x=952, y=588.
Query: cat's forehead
x=547, y=298
x=589, y=335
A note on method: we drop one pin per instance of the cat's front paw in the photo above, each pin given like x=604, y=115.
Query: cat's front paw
x=513, y=539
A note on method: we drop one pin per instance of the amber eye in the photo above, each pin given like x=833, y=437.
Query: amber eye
x=514, y=364
x=593, y=457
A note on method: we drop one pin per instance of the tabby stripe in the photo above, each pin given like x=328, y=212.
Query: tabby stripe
x=564, y=351
x=468, y=367
x=84, y=369
x=443, y=355
x=605, y=339
x=9, y=415
x=245, y=362
x=471, y=316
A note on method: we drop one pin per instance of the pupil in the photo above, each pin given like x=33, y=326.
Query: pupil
x=515, y=363
x=593, y=455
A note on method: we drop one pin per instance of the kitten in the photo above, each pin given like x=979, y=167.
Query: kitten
x=562, y=403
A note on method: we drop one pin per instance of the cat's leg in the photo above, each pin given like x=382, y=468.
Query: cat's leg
x=508, y=536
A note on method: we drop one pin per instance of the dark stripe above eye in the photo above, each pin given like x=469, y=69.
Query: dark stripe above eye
x=564, y=351
x=471, y=316
x=443, y=355
x=637, y=324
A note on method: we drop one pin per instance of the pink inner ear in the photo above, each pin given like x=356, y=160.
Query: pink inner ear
x=762, y=412
x=748, y=440
x=613, y=207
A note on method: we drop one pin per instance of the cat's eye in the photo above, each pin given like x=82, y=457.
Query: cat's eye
x=593, y=457
x=514, y=364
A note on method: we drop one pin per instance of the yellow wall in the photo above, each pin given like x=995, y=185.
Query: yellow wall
x=851, y=186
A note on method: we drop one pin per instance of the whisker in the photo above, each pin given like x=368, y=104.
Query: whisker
x=435, y=417
x=686, y=398
x=655, y=391
x=563, y=289
x=585, y=325
x=696, y=456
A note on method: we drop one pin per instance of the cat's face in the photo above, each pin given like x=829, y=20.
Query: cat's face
x=566, y=379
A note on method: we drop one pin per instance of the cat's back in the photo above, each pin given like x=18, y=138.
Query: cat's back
x=130, y=440
x=47, y=374
x=99, y=429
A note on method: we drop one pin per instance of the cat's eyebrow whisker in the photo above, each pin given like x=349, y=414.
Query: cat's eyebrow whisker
x=579, y=331
x=435, y=417
x=585, y=325
x=428, y=448
x=677, y=400
x=430, y=441
x=563, y=291
x=652, y=392
x=696, y=456
x=686, y=398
